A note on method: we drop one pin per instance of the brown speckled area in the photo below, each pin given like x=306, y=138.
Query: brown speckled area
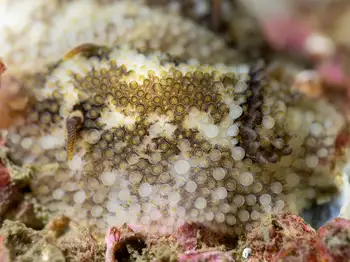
x=161, y=143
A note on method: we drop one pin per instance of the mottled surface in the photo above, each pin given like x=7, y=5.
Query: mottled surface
x=162, y=143
x=281, y=238
x=155, y=140
x=44, y=31
x=333, y=241
x=73, y=244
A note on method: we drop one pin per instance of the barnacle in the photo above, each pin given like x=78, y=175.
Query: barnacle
x=163, y=142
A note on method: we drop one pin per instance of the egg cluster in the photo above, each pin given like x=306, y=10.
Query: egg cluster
x=42, y=32
x=161, y=142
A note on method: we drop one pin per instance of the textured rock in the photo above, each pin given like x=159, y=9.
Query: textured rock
x=282, y=238
x=333, y=240
x=61, y=241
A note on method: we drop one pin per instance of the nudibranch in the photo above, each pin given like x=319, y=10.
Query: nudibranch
x=117, y=136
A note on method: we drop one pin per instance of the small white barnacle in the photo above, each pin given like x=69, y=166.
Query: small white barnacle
x=246, y=252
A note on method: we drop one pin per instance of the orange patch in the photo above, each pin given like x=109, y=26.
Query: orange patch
x=81, y=49
x=2, y=66
x=308, y=83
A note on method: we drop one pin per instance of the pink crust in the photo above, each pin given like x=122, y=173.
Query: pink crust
x=5, y=192
x=333, y=241
x=3, y=257
x=208, y=256
x=111, y=240
x=290, y=35
x=9, y=192
x=187, y=236
x=2, y=66
x=190, y=239
x=4, y=176
x=13, y=101
x=287, y=34
x=288, y=238
x=285, y=237
x=331, y=71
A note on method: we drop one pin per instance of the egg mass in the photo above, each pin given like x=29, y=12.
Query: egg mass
x=119, y=136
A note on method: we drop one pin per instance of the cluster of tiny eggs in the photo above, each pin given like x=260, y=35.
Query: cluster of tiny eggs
x=163, y=143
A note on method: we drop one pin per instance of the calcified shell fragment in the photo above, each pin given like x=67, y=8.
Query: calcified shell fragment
x=155, y=144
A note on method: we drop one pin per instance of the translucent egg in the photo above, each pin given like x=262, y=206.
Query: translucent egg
x=235, y=111
x=246, y=179
x=108, y=178
x=211, y=131
x=145, y=189
x=191, y=186
x=79, y=197
x=268, y=122
x=182, y=166
x=238, y=153
x=233, y=130
x=200, y=203
x=219, y=173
